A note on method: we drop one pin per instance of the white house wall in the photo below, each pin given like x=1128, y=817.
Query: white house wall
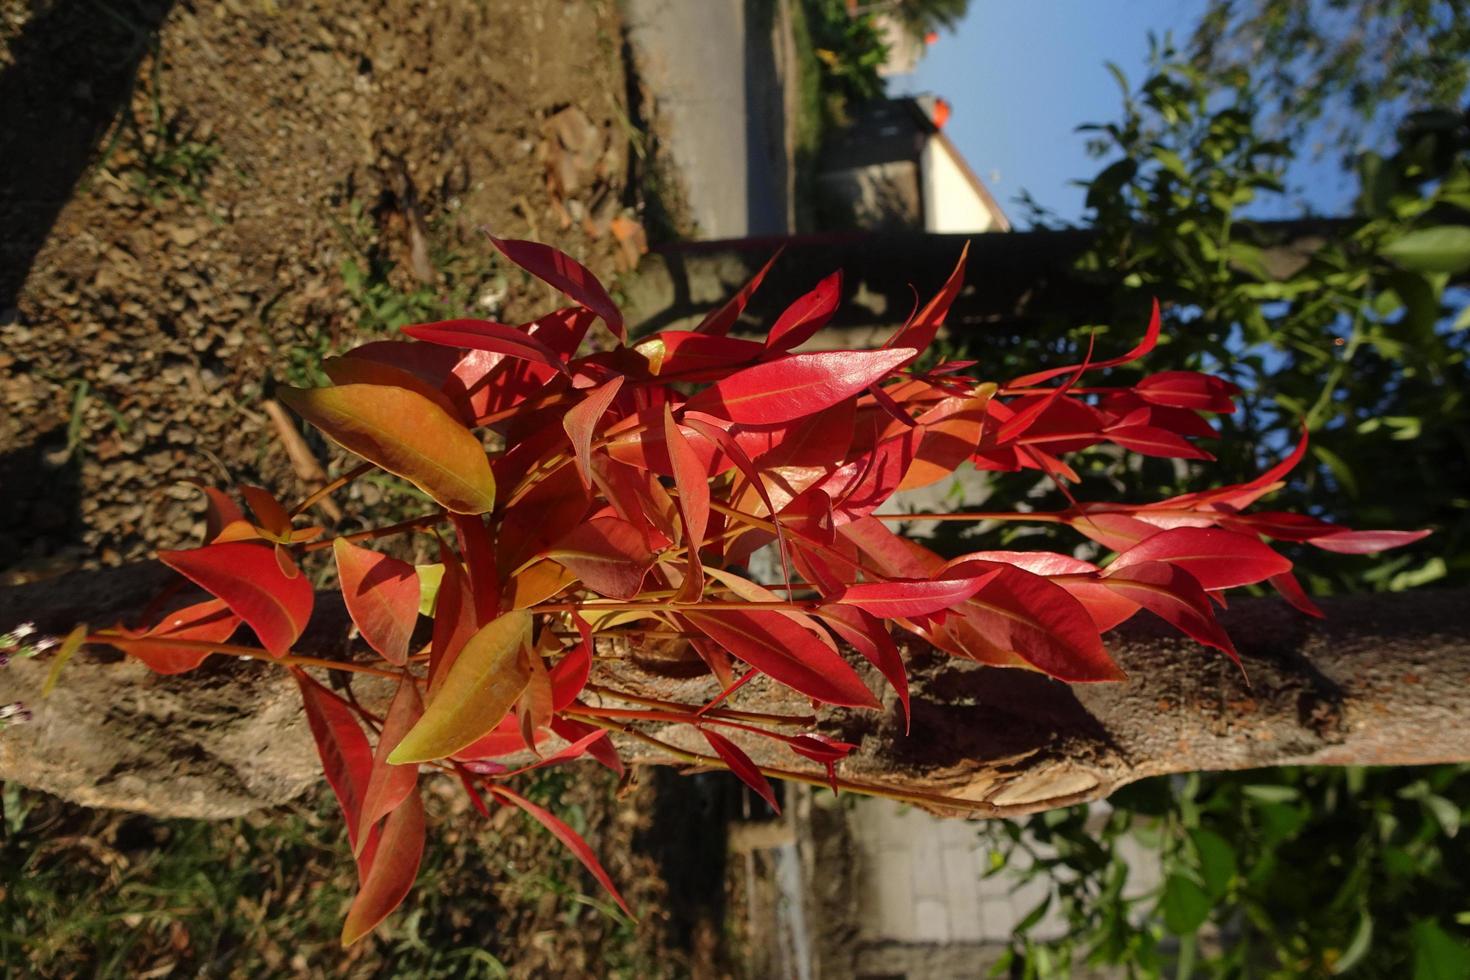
x=951, y=203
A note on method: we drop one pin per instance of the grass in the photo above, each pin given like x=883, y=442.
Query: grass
x=810, y=123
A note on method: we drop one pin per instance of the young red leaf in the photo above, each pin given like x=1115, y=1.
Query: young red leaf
x=777, y=646
x=601, y=749
x=382, y=597
x=486, y=335
x=391, y=874
x=1175, y=596
x=478, y=691
x=1280, y=525
x=211, y=621
x=1106, y=607
x=719, y=322
x=389, y=785
x=347, y=759
x=406, y=434
x=1291, y=590
x=870, y=638
x=269, y=514
x=1365, y=542
x=1218, y=559
x=566, y=274
x=575, y=749
x=581, y=422
x=250, y=582
x=907, y=598
x=478, y=548
x=454, y=618
x=608, y=554
x=570, y=674
x=1028, y=616
x=1149, y=341
x=799, y=384
x=689, y=356
x=807, y=315
x=1188, y=389
x=822, y=749
x=220, y=511
x=748, y=772
x=952, y=431
x=1112, y=530
x=1150, y=440
x=921, y=329
x=693, y=487
x=567, y=836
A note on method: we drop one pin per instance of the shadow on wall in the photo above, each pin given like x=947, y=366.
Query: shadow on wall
x=71, y=72
x=42, y=491
x=766, y=164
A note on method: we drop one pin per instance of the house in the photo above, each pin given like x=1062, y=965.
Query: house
x=893, y=167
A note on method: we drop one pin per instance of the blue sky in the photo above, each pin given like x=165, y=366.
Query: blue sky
x=1021, y=75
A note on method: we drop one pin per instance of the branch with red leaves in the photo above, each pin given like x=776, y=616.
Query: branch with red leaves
x=626, y=493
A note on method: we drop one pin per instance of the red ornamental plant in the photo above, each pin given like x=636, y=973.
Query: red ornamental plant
x=622, y=492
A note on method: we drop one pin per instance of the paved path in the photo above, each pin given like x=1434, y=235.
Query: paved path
x=717, y=81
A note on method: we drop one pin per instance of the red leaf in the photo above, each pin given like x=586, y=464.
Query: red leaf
x=566, y=274
x=719, y=322
x=210, y=621
x=734, y=757
x=454, y=618
x=1150, y=339
x=602, y=750
x=1028, y=616
x=479, y=561
x=1218, y=559
x=1176, y=597
x=382, y=597
x=250, y=582
x=578, y=747
x=907, y=598
x=269, y=514
x=1152, y=441
x=389, y=785
x=921, y=329
x=690, y=356
x=1078, y=577
x=1281, y=525
x=820, y=748
x=570, y=674
x=807, y=315
x=1291, y=590
x=1366, y=542
x=608, y=554
x=1113, y=530
x=865, y=484
x=220, y=511
x=1188, y=389
x=581, y=422
x=796, y=385
x=392, y=872
x=486, y=335
x=780, y=648
x=567, y=836
x=870, y=638
x=952, y=431
x=346, y=756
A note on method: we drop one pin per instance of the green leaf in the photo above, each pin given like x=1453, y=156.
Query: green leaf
x=1357, y=946
x=1445, y=248
x=478, y=691
x=1437, y=954
x=1217, y=865
x=1185, y=905
x=1269, y=793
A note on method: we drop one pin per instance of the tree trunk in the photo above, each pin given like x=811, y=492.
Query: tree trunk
x=1385, y=680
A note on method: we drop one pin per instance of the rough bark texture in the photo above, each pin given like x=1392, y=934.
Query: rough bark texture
x=1385, y=680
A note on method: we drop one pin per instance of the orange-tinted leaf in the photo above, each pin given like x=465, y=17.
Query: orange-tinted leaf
x=382, y=597
x=392, y=872
x=748, y=772
x=211, y=621
x=581, y=423
x=250, y=582
x=478, y=691
x=951, y=433
x=538, y=583
x=780, y=648
x=269, y=513
x=406, y=434
x=389, y=785
x=567, y=836
x=535, y=704
x=220, y=511
x=566, y=274
x=1217, y=559
x=352, y=369
x=799, y=384
x=608, y=554
x=454, y=618
x=807, y=315
x=907, y=598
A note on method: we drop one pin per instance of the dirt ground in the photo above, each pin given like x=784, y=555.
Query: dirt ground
x=203, y=200
x=207, y=198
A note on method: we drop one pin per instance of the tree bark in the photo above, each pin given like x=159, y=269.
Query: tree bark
x=1384, y=680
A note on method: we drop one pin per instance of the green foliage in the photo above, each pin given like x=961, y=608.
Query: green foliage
x=850, y=51
x=1340, y=73
x=920, y=17
x=1285, y=873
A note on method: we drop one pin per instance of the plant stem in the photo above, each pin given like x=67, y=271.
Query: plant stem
x=1041, y=517
x=237, y=650
x=797, y=720
x=412, y=524
x=335, y=485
